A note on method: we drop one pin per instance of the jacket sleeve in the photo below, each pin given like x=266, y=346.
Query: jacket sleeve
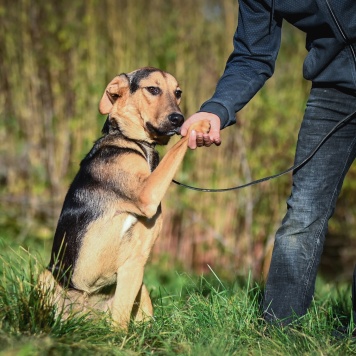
x=256, y=45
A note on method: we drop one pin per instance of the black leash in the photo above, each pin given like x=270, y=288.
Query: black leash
x=296, y=166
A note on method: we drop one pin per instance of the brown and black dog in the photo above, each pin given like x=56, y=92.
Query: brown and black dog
x=111, y=215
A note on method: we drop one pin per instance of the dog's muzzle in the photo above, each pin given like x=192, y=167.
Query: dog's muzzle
x=170, y=127
x=176, y=119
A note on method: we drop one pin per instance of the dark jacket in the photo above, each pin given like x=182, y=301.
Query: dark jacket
x=330, y=27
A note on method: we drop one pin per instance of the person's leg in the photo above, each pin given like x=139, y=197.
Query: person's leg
x=316, y=186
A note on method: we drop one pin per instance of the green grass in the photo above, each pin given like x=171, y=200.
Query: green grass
x=193, y=316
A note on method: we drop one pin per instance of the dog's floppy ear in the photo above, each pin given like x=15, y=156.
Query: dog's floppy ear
x=114, y=90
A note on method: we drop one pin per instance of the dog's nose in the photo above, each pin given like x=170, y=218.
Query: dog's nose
x=176, y=119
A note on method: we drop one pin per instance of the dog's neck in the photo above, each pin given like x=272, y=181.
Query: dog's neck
x=112, y=127
x=147, y=149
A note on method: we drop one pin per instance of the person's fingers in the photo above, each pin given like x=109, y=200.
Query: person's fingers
x=184, y=129
x=207, y=142
x=200, y=139
x=192, y=141
x=215, y=138
x=214, y=132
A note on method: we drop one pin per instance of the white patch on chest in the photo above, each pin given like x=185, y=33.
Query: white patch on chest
x=128, y=223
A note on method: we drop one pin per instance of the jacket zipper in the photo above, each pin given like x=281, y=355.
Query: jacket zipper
x=341, y=30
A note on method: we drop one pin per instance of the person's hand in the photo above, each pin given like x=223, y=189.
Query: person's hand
x=198, y=139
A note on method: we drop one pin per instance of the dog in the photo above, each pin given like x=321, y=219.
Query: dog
x=111, y=214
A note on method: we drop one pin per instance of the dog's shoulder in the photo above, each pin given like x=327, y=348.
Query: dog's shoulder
x=110, y=147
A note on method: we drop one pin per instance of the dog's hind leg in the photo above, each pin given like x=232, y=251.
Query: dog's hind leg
x=66, y=302
x=50, y=291
x=52, y=294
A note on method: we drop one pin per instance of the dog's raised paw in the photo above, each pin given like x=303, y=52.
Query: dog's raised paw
x=201, y=126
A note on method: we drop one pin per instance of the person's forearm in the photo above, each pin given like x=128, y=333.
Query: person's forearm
x=256, y=45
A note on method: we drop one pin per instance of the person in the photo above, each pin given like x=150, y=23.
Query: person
x=330, y=27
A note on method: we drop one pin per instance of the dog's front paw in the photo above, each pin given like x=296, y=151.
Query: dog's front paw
x=202, y=126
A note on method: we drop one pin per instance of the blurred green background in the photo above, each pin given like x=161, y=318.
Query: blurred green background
x=56, y=58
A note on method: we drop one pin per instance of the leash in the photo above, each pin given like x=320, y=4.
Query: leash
x=294, y=167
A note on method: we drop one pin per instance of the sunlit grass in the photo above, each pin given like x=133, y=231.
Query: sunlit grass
x=193, y=316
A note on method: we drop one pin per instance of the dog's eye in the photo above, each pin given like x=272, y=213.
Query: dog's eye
x=154, y=90
x=114, y=96
x=178, y=94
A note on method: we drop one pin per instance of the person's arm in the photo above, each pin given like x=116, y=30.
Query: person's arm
x=256, y=44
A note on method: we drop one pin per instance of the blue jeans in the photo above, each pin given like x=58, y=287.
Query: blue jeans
x=299, y=241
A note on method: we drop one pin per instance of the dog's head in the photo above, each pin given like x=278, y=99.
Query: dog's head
x=143, y=105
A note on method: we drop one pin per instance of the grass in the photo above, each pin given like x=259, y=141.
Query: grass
x=193, y=316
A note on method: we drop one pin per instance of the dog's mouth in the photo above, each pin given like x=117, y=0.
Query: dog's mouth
x=168, y=127
x=162, y=132
x=175, y=131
